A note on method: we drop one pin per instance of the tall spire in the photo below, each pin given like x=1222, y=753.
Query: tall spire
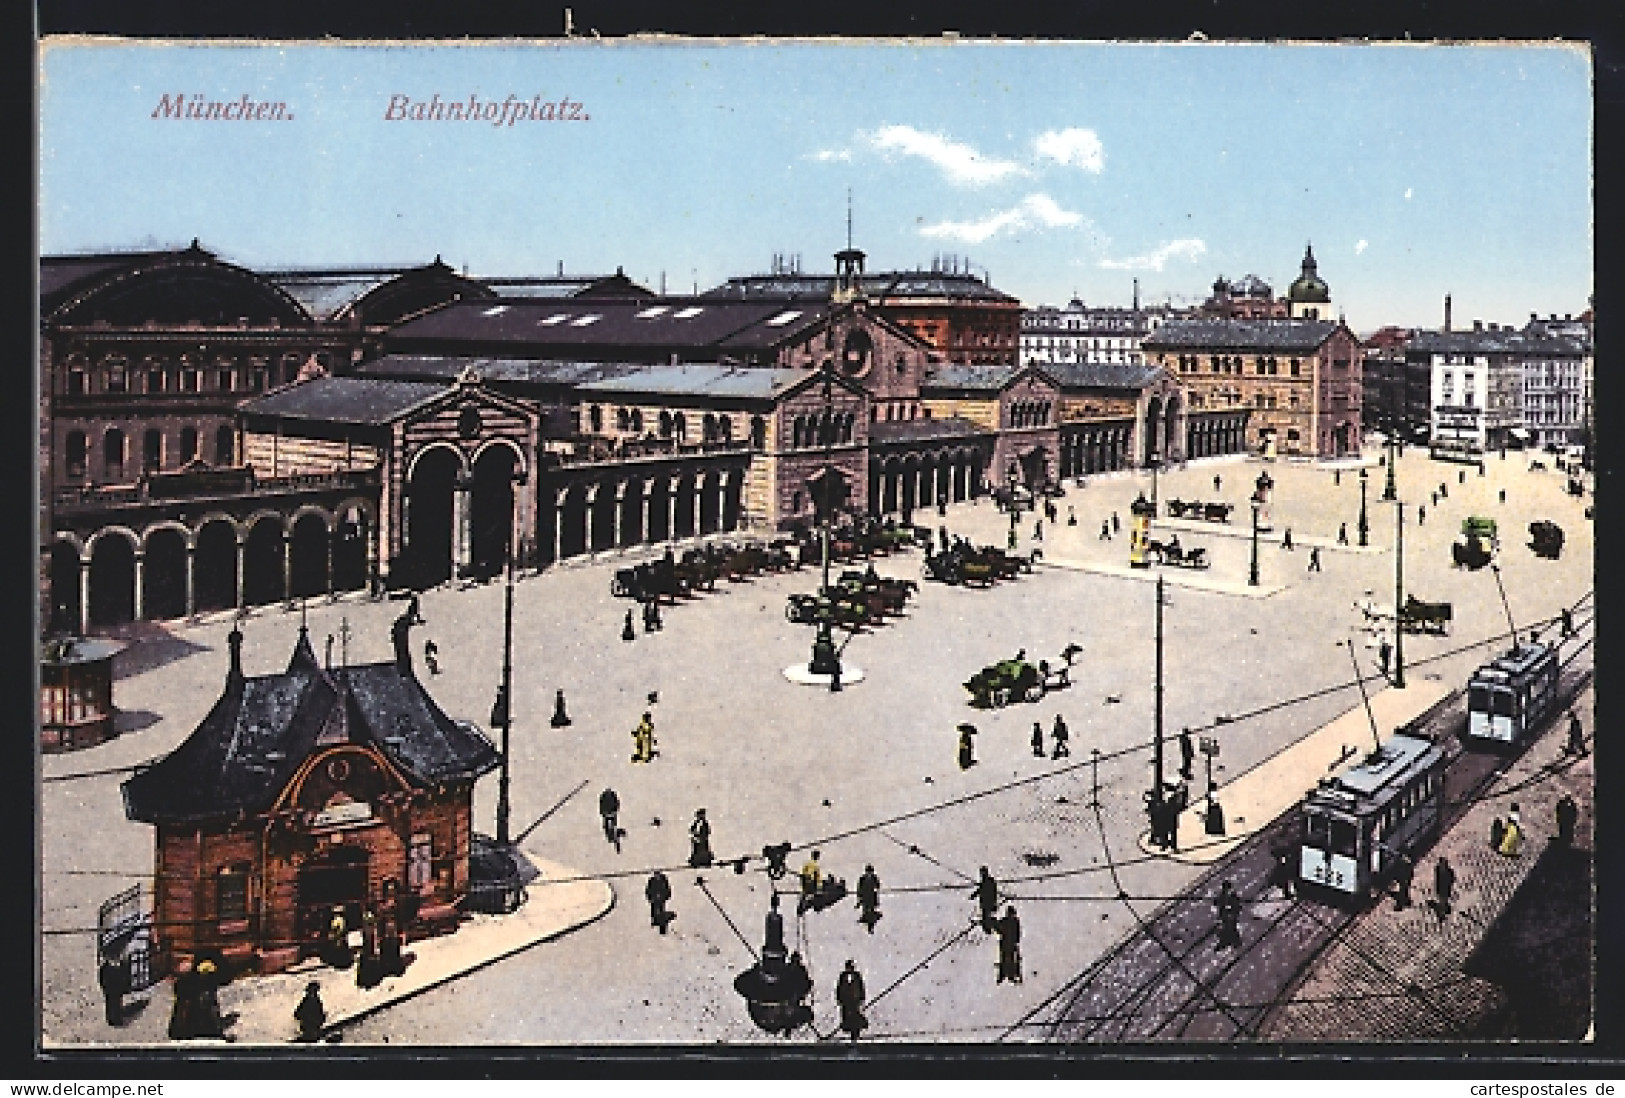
x=849, y=219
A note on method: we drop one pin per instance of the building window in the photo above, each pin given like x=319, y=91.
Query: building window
x=679, y=427
x=637, y=421
x=225, y=446
x=224, y=381
x=665, y=424
x=115, y=379
x=188, y=444
x=113, y=454
x=152, y=451
x=595, y=418
x=77, y=385
x=155, y=380
x=1296, y=367
x=77, y=449
x=623, y=419
x=758, y=432
x=231, y=892
x=420, y=861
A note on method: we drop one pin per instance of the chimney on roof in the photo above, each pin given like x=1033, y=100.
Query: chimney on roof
x=1478, y=325
x=234, y=641
x=1136, y=295
x=561, y=268
x=1447, y=312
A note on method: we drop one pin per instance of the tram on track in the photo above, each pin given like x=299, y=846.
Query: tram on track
x=1357, y=824
x=1509, y=697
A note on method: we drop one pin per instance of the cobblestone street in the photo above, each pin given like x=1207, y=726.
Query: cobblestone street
x=869, y=774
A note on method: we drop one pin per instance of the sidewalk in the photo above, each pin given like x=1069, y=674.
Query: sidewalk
x=1400, y=974
x=264, y=1004
x=1253, y=800
x=1273, y=537
x=1195, y=579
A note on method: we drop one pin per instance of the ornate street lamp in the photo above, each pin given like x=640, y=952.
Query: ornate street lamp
x=1252, y=568
x=826, y=658
x=1390, y=491
x=502, y=708
x=1155, y=461
x=1365, y=526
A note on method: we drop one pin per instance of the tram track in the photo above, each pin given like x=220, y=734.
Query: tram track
x=1170, y=981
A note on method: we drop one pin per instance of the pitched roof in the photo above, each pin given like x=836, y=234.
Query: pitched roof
x=535, y=371
x=1241, y=335
x=263, y=728
x=1489, y=341
x=363, y=400
x=988, y=378
x=924, y=430
x=1103, y=375
x=707, y=379
x=879, y=287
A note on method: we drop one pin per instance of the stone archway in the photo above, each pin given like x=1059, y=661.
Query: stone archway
x=349, y=550
x=572, y=522
x=163, y=575
x=1151, y=434
x=308, y=550
x=603, y=517
x=112, y=580
x=659, y=490
x=710, y=503
x=264, y=578
x=430, y=526
x=491, y=510
x=685, y=523
x=65, y=593
x=828, y=490
x=214, y=567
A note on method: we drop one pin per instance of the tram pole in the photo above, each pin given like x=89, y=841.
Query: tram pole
x=1157, y=750
x=504, y=706
x=1399, y=594
x=1496, y=568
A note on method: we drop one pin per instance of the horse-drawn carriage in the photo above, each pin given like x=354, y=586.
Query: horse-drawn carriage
x=856, y=600
x=1014, y=497
x=881, y=594
x=1214, y=511
x=1576, y=486
x=1417, y=616
x=975, y=566
x=1171, y=552
x=1477, y=543
x=860, y=538
x=1015, y=680
x=1546, y=539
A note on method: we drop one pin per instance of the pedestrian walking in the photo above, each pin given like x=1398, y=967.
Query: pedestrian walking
x=1461, y=476
x=627, y=632
x=967, y=749
x=1566, y=616
x=207, y=1021
x=1337, y=478
x=561, y=719
x=310, y=1013
x=869, y=898
x=431, y=656
x=850, y=994
x=643, y=739
x=367, y=971
x=181, y=1024
x=1433, y=498
x=1385, y=653
x=1217, y=482
x=1117, y=523
x=986, y=891
x=1314, y=558
x=1038, y=530
x=113, y=974
x=812, y=877
x=1481, y=467
x=1062, y=736
x=1009, y=931
x=1286, y=539
x=699, y=839
x=1228, y=905
x=1511, y=845
x=1444, y=490
x=1105, y=530
x=609, y=809
x=1576, y=744
x=1281, y=872
x=1010, y=540
x=1421, y=514
x=1568, y=815
x=1071, y=515
x=1187, y=755
x=658, y=893
x=1342, y=533
x=1498, y=831
x=1038, y=740
x=1444, y=885
x=1503, y=495
x=1404, y=871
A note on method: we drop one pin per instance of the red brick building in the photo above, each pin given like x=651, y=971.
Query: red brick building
x=313, y=790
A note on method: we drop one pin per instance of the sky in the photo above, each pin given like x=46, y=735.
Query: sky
x=1055, y=168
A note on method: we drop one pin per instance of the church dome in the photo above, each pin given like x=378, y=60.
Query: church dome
x=1309, y=286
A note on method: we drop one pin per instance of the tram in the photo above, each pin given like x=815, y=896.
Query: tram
x=1357, y=824
x=1509, y=697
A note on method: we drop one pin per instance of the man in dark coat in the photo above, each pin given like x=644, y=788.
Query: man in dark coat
x=869, y=898
x=1038, y=740
x=1281, y=873
x=967, y=747
x=658, y=892
x=1568, y=815
x=773, y=948
x=1228, y=905
x=986, y=891
x=850, y=993
x=1576, y=744
x=310, y=1014
x=699, y=840
x=627, y=632
x=1444, y=885
x=114, y=977
x=1009, y=931
x=1061, y=735
x=609, y=807
x=1404, y=871
x=561, y=718
x=1187, y=754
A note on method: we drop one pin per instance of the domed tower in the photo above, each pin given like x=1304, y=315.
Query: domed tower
x=1309, y=297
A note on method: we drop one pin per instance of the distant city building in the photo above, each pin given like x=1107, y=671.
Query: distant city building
x=1246, y=298
x=1396, y=389
x=1090, y=334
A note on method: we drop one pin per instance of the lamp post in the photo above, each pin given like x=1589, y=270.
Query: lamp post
x=1365, y=526
x=826, y=659
x=1399, y=594
x=1155, y=461
x=502, y=710
x=1252, y=567
x=1390, y=491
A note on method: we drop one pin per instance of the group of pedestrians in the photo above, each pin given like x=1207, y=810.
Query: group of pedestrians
x=1060, y=738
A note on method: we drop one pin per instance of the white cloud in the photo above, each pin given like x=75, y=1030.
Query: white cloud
x=1188, y=248
x=959, y=162
x=1407, y=194
x=1359, y=247
x=1072, y=147
x=824, y=156
x=1034, y=211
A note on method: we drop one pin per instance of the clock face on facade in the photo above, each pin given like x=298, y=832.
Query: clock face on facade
x=468, y=423
x=856, y=354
